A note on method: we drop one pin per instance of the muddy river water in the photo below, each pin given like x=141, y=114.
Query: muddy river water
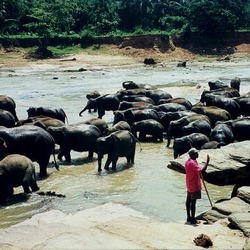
x=149, y=186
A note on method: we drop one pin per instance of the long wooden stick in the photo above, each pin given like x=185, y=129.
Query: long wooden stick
x=206, y=190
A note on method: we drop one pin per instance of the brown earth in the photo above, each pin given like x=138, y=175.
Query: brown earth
x=118, y=55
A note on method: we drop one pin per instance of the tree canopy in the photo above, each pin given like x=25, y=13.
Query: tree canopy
x=110, y=17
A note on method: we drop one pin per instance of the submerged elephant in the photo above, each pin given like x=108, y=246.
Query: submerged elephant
x=7, y=103
x=31, y=141
x=102, y=103
x=184, y=143
x=148, y=127
x=57, y=113
x=78, y=137
x=16, y=170
x=117, y=144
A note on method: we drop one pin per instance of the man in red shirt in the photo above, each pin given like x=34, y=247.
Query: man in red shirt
x=193, y=183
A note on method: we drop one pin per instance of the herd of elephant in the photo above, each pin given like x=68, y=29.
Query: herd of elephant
x=141, y=112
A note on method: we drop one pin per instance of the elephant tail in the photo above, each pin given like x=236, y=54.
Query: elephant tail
x=136, y=140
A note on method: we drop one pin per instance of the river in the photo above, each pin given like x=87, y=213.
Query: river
x=148, y=186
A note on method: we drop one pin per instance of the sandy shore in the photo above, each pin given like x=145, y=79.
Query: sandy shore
x=110, y=226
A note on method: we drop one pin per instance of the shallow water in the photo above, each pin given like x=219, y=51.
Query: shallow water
x=148, y=186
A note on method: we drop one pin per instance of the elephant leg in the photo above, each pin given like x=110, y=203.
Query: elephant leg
x=90, y=155
x=67, y=156
x=26, y=188
x=114, y=160
x=60, y=155
x=108, y=162
x=142, y=136
x=101, y=112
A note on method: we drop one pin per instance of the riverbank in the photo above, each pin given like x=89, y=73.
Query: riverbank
x=113, y=226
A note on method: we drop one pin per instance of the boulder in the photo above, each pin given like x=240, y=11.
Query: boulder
x=236, y=210
x=228, y=165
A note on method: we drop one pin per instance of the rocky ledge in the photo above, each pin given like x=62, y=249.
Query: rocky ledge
x=228, y=165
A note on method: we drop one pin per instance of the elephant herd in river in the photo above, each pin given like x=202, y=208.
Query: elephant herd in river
x=141, y=113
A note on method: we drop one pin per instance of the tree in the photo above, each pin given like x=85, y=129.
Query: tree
x=210, y=17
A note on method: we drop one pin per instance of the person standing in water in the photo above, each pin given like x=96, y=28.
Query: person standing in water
x=193, y=183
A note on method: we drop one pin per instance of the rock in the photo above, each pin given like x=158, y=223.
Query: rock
x=234, y=205
x=247, y=245
x=236, y=209
x=228, y=165
x=244, y=193
x=241, y=221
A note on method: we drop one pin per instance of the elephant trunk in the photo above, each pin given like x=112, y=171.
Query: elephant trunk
x=80, y=114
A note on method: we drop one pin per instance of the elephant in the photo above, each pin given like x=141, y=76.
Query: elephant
x=226, y=92
x=31, y=141
x=148, y=127
x=121, y=125
x=137, y=105
x=16, y=170
x=137, y=98
x=78, y=137
x=223, y=134
x=214, y=113
x=92, y=95
x=171, y=116
x=41, y=121
x=184, y=143
x=211, y=145
x=135, y=115
x=179, y=100
x=7, y=119
x=217, y=85
x=244, y=102
x=7, y=103
x=197, y=126
x=133, y=85
x=235, y=83
x=240, y=128
x=157, y=94
x=226, y=103
x=131, y=92
x=98, y=122
x=170, y=107
x=118, y=144
x=102, y=103
x=175, y=127
x=57, y=113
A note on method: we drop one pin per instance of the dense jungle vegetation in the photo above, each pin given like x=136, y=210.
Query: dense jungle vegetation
x=50, y=18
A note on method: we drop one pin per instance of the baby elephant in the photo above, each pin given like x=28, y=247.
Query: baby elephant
x=16, y=170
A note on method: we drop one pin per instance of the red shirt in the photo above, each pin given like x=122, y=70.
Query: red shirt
x=193, y=181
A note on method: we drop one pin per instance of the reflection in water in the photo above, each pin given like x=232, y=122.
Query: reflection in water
x=148, y=186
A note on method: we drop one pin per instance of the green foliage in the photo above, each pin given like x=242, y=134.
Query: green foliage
x=51, y=18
